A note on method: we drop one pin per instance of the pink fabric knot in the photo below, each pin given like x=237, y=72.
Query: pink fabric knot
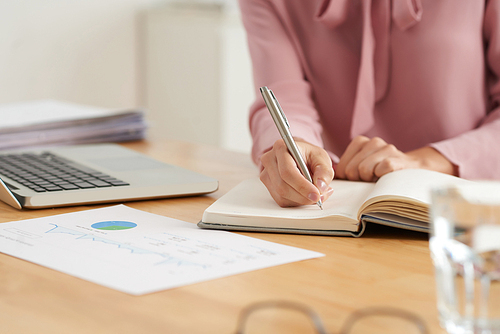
x=332, y=12
x=374, y=67
x=405, y=13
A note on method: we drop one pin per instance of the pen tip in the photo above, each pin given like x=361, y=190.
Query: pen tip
x=320, y=204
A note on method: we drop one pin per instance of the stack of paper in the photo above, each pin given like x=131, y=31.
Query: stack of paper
x=50, y=122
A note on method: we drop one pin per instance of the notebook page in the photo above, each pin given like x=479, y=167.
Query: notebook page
x=410, y=185
x=250, y=204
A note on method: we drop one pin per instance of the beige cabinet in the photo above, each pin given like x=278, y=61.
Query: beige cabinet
x=197, y=81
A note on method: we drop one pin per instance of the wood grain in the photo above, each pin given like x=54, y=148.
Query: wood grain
x=386, y=267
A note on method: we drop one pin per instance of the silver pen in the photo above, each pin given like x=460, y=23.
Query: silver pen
x=281, y=122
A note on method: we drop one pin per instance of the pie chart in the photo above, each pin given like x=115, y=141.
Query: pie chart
x=113, y=225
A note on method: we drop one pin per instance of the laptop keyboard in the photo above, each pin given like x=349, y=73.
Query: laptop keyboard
x=48, y=172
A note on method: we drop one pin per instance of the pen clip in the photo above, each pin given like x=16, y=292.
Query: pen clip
x=279, y=108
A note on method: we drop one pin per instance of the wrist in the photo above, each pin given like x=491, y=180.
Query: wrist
x=431, y=159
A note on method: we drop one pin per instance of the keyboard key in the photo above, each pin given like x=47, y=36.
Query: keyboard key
x=84, y=185
x=89, y=178
x=43, y=184
x=68, y=186
x=52, y=188
x=99, y=183
x=59, y=181
x=119, y=183
x=72, y=179
x=98, y=175
x=48, y=172
x=109, y=179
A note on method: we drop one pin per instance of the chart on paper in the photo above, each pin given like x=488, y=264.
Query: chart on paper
x=178, y=251
x=138, y=252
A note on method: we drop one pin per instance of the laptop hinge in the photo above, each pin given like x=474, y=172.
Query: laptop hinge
x=8, y=197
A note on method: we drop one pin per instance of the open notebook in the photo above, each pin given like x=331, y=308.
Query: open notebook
x=399, y=199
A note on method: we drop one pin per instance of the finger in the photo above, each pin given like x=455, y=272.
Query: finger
x=290, y=174
x=282, y=192
x=352, y=149
x=367, y=168
x=371, y=147
x=392, y=164
x=276, y=191
x=322, y=177
x=322, y=171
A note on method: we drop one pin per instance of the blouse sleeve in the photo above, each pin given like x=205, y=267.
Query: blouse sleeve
x=276, y=64
x=477, y=152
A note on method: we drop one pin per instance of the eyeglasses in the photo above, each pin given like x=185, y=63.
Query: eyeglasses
x=291, y=317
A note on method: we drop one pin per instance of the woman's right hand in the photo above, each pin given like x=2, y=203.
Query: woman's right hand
x=285, y=182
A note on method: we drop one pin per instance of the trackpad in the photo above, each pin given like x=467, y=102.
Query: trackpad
x=130, y=164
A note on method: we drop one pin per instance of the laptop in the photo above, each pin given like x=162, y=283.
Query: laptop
x=88, y=174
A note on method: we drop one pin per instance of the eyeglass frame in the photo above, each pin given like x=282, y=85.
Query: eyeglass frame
x=318, y=323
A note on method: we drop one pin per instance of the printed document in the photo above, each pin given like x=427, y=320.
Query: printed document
x=138, y=252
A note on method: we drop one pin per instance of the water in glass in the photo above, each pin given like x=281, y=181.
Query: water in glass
x=465, y=248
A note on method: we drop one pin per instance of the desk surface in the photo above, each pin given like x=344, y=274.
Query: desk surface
x=386, y=267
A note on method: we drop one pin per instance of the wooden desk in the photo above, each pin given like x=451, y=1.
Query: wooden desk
x=385, y=267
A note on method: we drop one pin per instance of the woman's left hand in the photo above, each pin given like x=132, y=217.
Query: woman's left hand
x=368, y=159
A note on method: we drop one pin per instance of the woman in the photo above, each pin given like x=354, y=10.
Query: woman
x=374, y=86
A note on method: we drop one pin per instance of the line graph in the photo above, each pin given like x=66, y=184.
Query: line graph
x=166, y=259
x=138, y=252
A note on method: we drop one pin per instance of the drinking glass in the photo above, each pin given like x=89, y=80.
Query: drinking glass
x=465, y=249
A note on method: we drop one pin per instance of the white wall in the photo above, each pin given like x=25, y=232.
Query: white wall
x=80, y=51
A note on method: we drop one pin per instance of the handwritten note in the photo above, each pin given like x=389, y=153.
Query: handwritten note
x=138, y=252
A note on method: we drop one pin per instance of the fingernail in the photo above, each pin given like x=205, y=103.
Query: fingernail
x=328, y=193
x=313, y=197
x=322, y=186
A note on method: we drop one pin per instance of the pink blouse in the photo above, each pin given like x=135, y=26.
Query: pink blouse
x=413, y=72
